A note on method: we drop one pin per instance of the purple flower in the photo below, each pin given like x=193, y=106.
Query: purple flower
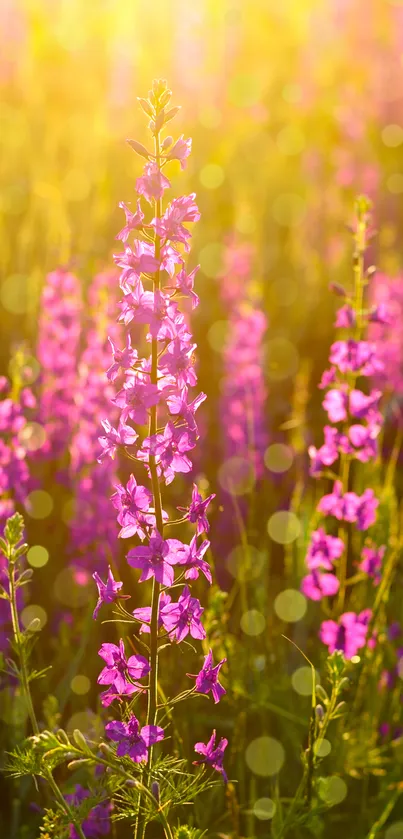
x=212, y=755
x=323, y=550
x=170, y=226
x=119, y=668
x=108, y=696
x=133, y=740
x=98, y=822
x=137, y=260
x=134, y=221
x=135, y=399
x=207, y=678
x=335, y=403
x=184, y=283
x=372, y=562
x=192, y=556
x=345, y=317
x=183, y=617
x=152, y=183
x=363, y=406
x=327, y=454
x=350, y=507
x=356, y=356
x=132, y=502
x=156, y=559
x=125, y=435
x=122, y=359
x=107, y=592
x=180, y=151
x=178, y=361
x=144, y=612
x=196, y=513
x=317, y=585
x=348, y=635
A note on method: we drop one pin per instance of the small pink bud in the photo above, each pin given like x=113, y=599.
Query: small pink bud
x=167, y=142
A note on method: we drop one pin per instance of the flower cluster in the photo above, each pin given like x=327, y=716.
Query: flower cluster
x=57, y=352
x=93, y=527
x=98, y=821
x=351, y=435
x=154, y=390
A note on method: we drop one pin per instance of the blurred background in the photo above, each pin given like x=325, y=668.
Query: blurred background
x=294, y=108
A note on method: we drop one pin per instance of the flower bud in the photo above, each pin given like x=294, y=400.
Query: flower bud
x=321, y=693
x=172, y=113
x=344, y=683
x=139, y=148
x=165, y=98
x=159, y=87
x=319, y=712
x=80, y=740
x=167, y=142
x=63, y=736
x=337, y=289
x=155, y=789
x=76, y=764
x=146, y=106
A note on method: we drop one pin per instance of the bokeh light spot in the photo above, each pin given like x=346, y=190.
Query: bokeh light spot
x=74, y=587
x=265, y=756
x=37, y=556
x=392, y=135
x=288, y=209
x=80, y=685
x=30, y=370
x=259, y=662
x=210, y=258
x=39, y=504
x=85, y=721
x=217, y=335
x=34, y=613
x=395, y=183
x=212, y=176
x=236, y=476
x=210, y=117
x=245, y=562
x=301, y=681
x=76, y=185
x=278, y=457
x=290, y=140
x=395, y=831
x=290, y=605
x=253, y=622
x=32, y=436
x=264, y=809
x=13, y=294
x=284, y=527
x=282, y=359
x=322, y=748
x=332, y=790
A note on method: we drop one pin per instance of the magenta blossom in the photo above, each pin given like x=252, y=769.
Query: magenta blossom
x=107, y=592
x=327, y=454
x=345, y=317
x=183, y=617
x=348, y=635
x=350, y=507
x=356, y=356
x=180, y=151
x=135, y=399
x=192, y=557
x=133, y=740
x=323, y=550
x=371, y=564
x=207, y=678
x=108, y=696
x=118, y=668
x=156, y=559
x=317, y=585
x=196, y=513
x=98, y=821
x=184, y=283
x=125, y=435
x=170, y=226
x=152, y=183
x=122, y=359
x=212, y=755
x=132, y=502
x=134, y=221
x=144, y=612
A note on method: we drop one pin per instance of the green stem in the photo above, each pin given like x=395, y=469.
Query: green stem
x=153, y=678
x=24, y=677
x=385, y=814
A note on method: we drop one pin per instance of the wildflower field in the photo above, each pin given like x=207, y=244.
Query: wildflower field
x=201, y=419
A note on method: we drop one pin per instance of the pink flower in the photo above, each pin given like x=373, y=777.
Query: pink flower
x=323, y=550
x=180, y=151
x=317, y=585
x=134, y=221
x=372, y=562
x=152, y=183
x=348, y=635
